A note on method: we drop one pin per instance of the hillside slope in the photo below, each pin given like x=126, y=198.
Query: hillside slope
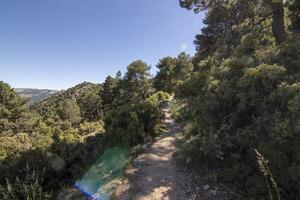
x=35, y=95
x=72, y=93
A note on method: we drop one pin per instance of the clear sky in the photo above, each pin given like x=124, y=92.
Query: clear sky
x=56, y=44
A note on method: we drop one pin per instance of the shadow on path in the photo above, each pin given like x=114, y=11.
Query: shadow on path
x=153, y=174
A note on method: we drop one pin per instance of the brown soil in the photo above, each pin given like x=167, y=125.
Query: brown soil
x=155, y=175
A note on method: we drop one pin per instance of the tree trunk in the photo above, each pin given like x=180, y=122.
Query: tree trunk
x=278, y=27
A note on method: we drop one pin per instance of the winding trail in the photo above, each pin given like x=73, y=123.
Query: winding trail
x=153, y=174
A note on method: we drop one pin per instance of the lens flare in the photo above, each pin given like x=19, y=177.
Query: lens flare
x=96, y=183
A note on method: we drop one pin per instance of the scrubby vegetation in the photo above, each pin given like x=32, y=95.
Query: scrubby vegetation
x=237, y=96
x=45, y=148
x=243, y=94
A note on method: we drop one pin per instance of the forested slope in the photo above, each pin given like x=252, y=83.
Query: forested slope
x=237, y=98
x=35, y=95
x=242, y=93
x=44, y=149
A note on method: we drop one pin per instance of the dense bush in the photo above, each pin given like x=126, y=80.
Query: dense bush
x=132, y=124
x=239, y=92
x=246, y=105
x=243, y=94
x=30, y=188
x=158, y=97
x=45, y=148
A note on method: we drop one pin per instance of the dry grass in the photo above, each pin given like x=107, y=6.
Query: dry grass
x=270, y=181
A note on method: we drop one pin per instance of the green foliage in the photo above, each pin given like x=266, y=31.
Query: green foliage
x=177, y=110
x=288, y=56
x=13, y=109
x=43, y=141
x=137, y=70
x=69, y=111
x=3, y=154
x=136, y=85
x=13, y=146
x=172, y=72
x=132, y=124
x=242, y=94
x=240, y=91
x=30, y=188
x=264, y=168
x=294, y=14
x=90, y=104
x=55, y=135
x=158, y=97
x=196, y=5
x=91, y=127
x=241, y=108
x=110, y=92
x=81, y=102
x=164, y=78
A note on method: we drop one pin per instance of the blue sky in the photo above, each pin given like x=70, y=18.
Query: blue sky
x=56, y=44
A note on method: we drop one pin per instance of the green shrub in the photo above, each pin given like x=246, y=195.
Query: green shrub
x=29, y=188
x=86, y=128
x=132, y=124
x=241, y=104
x=158, y=97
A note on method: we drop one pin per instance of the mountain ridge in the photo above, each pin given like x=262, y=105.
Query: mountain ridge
x=35, y=95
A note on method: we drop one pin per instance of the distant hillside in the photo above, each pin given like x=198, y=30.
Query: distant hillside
x=73, y=93
x=35, y=95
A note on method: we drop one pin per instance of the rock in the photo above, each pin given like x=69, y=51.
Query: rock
x=137, y=149
x=146, y=145
x=188, y=160
x=189, y=190
x=206, y=187
x=60, y=196
x=212, y=192
x=58, y=164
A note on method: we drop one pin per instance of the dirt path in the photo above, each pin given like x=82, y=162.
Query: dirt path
x=153, y=175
